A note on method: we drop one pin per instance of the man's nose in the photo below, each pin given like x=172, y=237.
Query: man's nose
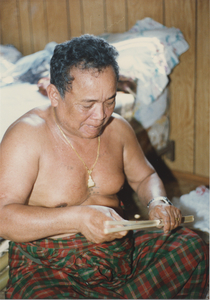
x=99, y=112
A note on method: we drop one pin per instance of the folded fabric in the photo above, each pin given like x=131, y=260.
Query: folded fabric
x=148, y=52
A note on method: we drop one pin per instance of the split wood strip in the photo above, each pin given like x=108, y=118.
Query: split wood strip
x=133, y=225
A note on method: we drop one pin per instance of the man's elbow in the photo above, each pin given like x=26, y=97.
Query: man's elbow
x=5, y=219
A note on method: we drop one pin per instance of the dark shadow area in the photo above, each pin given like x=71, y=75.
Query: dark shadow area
x=127, y=195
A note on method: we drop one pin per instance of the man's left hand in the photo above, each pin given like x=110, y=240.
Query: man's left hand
x=170, y=215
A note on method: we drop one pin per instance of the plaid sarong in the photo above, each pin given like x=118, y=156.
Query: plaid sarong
x=145, y=265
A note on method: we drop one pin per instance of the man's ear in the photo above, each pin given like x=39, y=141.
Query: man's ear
x=53, y=95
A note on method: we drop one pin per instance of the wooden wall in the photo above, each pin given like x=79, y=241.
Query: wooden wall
x=31, y=24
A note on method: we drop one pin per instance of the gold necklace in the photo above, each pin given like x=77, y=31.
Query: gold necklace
x=91, y=183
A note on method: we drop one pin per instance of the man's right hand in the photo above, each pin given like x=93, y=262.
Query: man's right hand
x=91, y=224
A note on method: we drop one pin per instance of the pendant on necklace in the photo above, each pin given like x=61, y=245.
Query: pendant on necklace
x=91, y=183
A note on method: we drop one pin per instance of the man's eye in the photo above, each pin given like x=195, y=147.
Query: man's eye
x=87, y=106
x=111, y=103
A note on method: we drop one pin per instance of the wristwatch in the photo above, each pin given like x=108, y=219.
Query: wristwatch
x=161, y=198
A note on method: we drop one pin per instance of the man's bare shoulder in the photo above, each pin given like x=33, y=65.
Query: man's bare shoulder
x=28, y=126
x=121, y=126
x=20, y=152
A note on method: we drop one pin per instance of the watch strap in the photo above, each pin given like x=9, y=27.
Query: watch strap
x=160, y=198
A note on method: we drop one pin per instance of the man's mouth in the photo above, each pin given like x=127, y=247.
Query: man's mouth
x=95, y=126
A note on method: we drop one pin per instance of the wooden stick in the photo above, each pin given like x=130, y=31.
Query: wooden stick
x=128, y=223
x=132, y=225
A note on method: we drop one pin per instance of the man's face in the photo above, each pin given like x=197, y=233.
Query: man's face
x=87, y=107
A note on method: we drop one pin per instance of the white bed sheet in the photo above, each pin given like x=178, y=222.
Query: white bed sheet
x=17, y=99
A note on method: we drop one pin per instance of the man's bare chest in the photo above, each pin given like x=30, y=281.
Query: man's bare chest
x=63, y=177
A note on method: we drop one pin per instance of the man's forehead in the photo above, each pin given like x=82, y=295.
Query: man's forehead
x=86, y=85
x=91, y=99
x=88, y=76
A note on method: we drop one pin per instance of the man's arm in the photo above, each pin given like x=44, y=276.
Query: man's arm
x=19, y=167
x=145, y=181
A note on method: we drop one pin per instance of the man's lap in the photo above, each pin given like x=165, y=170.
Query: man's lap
x=150, y=265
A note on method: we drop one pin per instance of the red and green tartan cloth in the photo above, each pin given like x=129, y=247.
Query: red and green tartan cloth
x=142, y=265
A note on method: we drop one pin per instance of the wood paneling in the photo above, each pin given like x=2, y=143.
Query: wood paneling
x=139, y=9
x=75, y=15
x=25, y=27
x=38, y=24
x=30, y=24
x=57, y=23
x=182, y=87
x=93, y=16
x=202, y=90
x=199, y=180
x=115, y=16
x=10, y=23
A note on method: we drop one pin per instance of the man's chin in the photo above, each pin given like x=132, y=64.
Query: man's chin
x=92, y=132
x=88, y=135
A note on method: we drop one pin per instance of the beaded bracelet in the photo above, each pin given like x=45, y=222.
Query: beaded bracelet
x=161, y=198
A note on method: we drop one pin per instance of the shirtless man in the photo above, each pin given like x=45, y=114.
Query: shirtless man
x=62, y=165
